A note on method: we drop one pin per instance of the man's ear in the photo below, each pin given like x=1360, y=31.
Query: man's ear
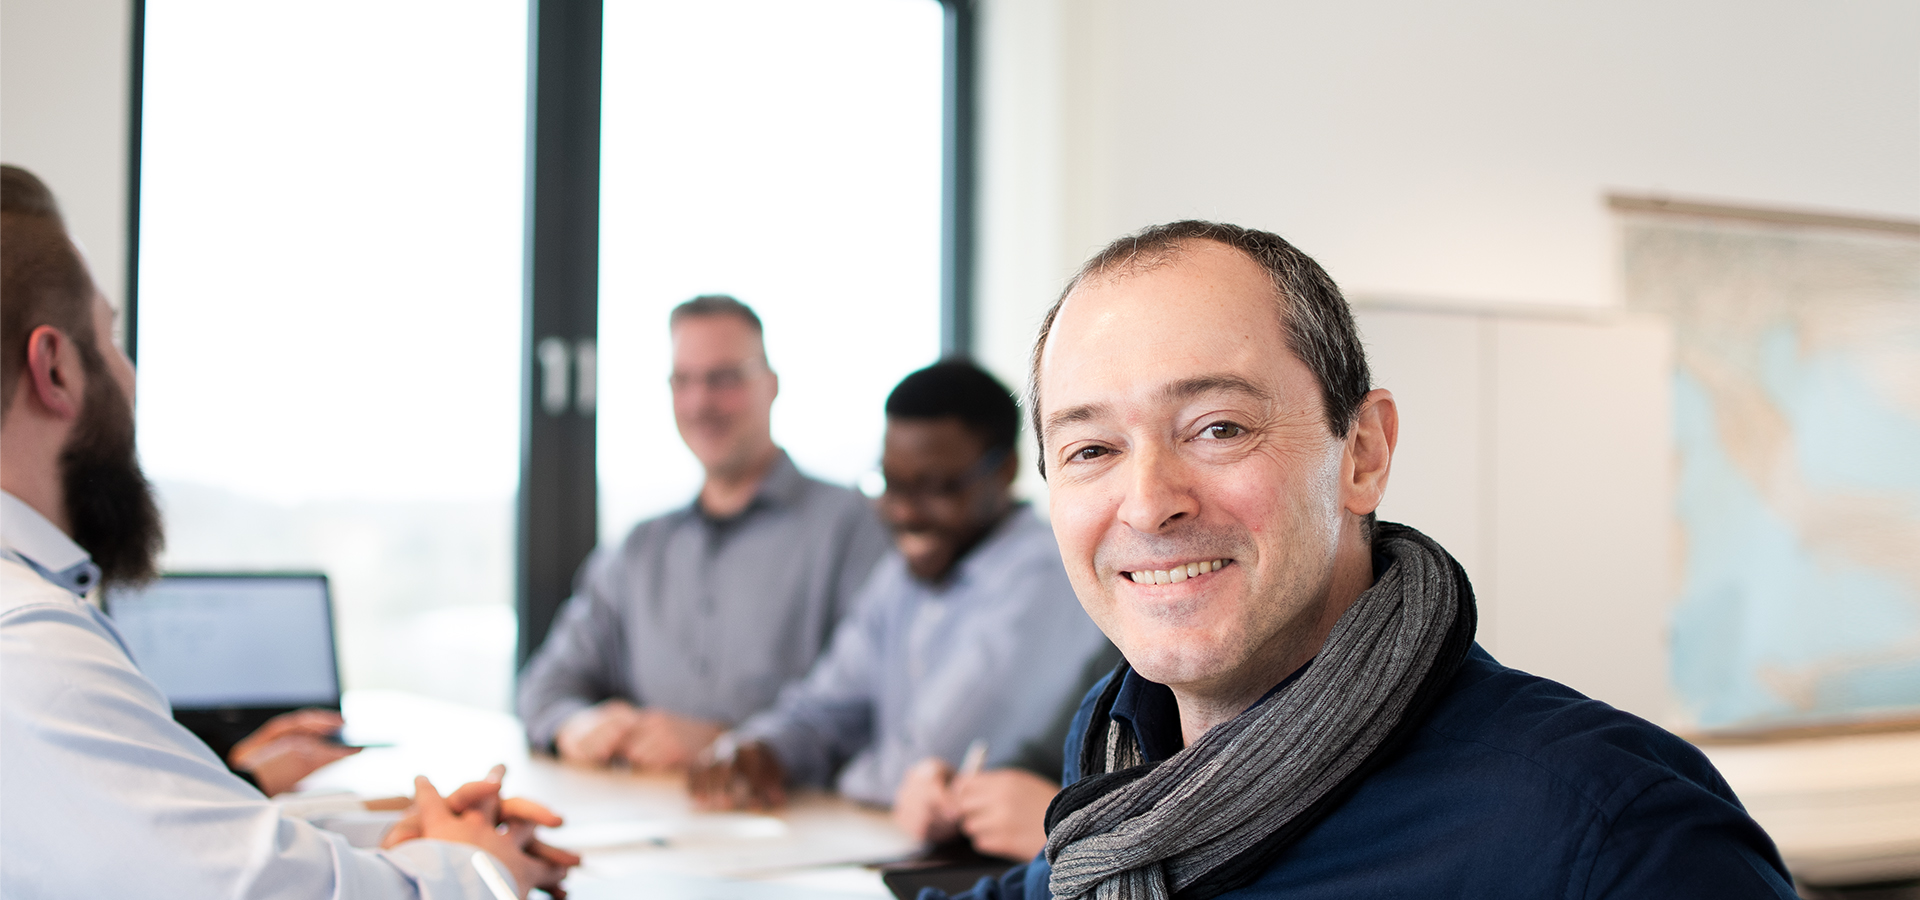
x=1369, y=453
x=53, y=377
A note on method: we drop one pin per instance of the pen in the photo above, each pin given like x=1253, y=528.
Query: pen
x=975, y=758
x=491, y=877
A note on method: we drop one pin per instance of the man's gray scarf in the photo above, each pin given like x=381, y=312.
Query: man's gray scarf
x=1214, y=816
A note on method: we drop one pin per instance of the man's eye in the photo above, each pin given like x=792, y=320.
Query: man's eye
x=1220, y=431
x=1086, y=453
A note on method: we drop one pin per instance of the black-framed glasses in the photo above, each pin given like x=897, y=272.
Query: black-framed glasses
x=717, y=380
x=877, y=485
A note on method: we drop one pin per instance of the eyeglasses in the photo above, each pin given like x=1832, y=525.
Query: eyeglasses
x=877, y=485
x=716, y=380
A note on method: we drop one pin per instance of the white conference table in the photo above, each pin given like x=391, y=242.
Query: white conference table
x=638, y=834
x=1842, y=809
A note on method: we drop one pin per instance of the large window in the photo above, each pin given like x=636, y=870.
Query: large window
x=329, y=313
x=331, y=240
x=787, y=153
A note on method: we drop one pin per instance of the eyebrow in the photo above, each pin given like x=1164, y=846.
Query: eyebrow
x=1071, y=415
x=1184, y=389
x=1189, y=388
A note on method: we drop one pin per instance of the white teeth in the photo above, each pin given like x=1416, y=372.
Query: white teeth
x=1177, y=574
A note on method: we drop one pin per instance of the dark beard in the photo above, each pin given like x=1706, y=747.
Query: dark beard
x=109, y=501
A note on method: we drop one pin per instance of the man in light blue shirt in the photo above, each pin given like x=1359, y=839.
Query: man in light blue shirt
x=968, y=633
x=102, y=793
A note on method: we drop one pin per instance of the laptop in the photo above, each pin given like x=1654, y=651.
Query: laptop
x=232, y=650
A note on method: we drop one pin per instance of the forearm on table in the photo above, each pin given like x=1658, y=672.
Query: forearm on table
x=543, y=720
x=810, y=749
x=553, y=693
x=555, y=686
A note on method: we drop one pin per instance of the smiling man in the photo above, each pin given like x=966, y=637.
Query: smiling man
x=1303, y=712
x=967, y=633
x=700, y=616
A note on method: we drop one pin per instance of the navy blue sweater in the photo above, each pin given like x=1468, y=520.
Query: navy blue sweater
x=1515, y=786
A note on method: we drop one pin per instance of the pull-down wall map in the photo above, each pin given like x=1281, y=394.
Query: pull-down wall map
x=1797, y=441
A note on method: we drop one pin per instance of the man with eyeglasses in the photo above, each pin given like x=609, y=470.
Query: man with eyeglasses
x=968, y=636
x=703, y=614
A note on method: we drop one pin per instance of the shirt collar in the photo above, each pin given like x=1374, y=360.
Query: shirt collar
x=1149, y=708
x=782, y=485
x=1010, y=529
x=28, y=537
x=783, y=482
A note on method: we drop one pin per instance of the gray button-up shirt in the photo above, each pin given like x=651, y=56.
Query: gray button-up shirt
x=707, y=617
x=924, y=670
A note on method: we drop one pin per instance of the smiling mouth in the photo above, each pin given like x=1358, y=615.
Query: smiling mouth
x=1176, y=574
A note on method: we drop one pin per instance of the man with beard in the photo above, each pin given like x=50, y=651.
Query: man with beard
x=703, y=614
x=968, y=633
x=110, y=510
x=103, y=794
x=1302, y=711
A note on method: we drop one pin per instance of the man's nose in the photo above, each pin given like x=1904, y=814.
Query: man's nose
x=1159, y=490
x=701, y=401
x=900, y=512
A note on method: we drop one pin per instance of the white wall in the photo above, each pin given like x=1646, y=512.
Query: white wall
x=1448, y=164
x=1455, y=150
x=1535, y=447
x=64, y=83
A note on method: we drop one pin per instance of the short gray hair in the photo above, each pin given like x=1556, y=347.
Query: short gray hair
x=1316, y=318
x=707, y=305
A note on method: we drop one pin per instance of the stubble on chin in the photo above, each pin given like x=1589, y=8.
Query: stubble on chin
x=1262, y=619
x=1168, y=641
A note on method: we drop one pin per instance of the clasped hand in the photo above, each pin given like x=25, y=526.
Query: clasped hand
x=644, y=737
x=1002, y=812
x=476, y=814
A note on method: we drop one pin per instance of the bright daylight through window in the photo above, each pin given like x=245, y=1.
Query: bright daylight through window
x=330, y=297
x=786, y=152
x=329, y=314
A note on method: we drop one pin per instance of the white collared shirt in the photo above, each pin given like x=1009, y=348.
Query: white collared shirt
x=26, y=537
x=102, y=794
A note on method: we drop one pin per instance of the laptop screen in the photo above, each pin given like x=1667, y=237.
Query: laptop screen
x=212, y=641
